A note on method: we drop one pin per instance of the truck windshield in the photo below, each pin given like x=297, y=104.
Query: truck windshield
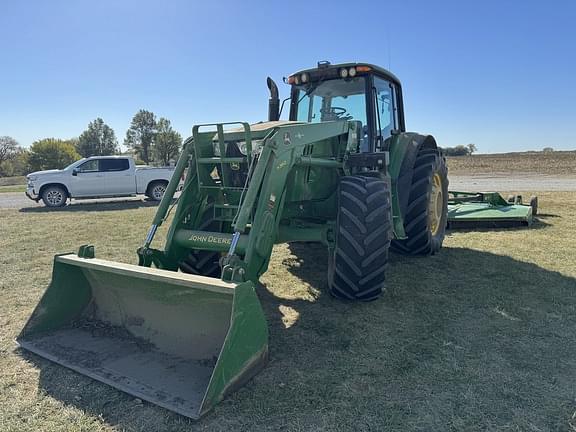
x=332, y=100
x=73, y=164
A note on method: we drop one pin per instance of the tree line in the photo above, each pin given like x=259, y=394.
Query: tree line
x=150, y=140
x=460, y=150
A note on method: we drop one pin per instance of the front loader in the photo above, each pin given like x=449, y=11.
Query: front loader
x=184, y=327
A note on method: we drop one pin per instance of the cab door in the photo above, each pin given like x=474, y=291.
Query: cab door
x=385, y=112
x=87, y=180
x=118, y=177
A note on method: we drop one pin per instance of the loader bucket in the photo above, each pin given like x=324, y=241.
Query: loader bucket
x=177, y=340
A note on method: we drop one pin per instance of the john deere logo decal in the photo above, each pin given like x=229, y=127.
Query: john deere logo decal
x=210, y=239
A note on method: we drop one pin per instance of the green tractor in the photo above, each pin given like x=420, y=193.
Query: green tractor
x=184, y=327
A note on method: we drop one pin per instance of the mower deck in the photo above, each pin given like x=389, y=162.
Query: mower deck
x=491, y=210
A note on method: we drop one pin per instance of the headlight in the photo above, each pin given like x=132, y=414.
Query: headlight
x=242, y=147
x=256, y=147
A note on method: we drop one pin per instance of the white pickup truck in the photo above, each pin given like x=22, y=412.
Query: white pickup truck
x=97, y=177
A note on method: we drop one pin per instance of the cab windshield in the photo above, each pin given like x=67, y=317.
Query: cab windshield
x=332, y=100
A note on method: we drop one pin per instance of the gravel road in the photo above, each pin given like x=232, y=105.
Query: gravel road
x=472, y=183
x=511, y=183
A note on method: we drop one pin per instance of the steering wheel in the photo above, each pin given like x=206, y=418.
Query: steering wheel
x=335, y=113
x=338, y=111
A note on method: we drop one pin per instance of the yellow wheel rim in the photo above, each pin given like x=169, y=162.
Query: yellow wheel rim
x=436, y=204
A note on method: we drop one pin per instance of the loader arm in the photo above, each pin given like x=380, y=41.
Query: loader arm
x=254, y=226
x=282, y=152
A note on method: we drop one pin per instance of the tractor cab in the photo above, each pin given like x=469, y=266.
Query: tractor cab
x=350, y=91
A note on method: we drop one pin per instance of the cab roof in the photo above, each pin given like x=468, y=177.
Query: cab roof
x=331, y=67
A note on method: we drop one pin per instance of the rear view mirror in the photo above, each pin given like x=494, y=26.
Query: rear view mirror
x=75, y=171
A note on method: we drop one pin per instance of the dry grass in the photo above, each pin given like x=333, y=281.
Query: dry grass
x=479, y=337
x=12, y=181
x=4, y=189
x=560, y=163
x=12, y=184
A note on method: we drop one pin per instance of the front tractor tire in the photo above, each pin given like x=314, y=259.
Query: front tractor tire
x=204, y=262
x=54, y=196
x=427, y=211
x=357, y=263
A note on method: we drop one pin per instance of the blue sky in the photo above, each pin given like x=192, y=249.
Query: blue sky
x=500, y=74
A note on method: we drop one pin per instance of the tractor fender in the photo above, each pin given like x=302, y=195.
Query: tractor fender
x=404, y=149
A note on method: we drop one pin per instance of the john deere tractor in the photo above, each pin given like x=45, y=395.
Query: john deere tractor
x=185, y=327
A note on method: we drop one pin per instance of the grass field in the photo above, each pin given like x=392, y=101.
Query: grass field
x=17, y=188
x=479, y=337
x=12, y=184
x=12, y=181
x=560, y=163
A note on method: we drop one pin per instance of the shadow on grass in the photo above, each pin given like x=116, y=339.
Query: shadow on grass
x=464, y=340
x=79, y=206
x=548, y=215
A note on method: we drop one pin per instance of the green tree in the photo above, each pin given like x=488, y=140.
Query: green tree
x=167, y=142
x=98, y=140
x=472, y=148
x=17, y=165
x=459, y=150
x=8, y=148
x=140, y=136
x=52, y=153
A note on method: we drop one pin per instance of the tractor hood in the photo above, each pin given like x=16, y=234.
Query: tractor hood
x=259, y=130
x=237, y=136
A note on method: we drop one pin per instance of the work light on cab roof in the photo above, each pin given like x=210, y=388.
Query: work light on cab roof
x=343, y=72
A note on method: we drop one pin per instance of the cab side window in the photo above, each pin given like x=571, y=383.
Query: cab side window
x=89, y=166
x=107, y=165
x=385, y=109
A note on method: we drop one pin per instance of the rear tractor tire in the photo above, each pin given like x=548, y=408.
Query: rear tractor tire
x=356, y=265
x=426, y=215
x=54, y=196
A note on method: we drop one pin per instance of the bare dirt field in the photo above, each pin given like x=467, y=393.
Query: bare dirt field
x=556, y=164
x=514, y=172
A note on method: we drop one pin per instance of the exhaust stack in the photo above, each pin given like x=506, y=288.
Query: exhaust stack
x=274, y=101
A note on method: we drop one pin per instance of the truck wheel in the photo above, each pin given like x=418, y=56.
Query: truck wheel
x=363, y=230
x=156, y=190
x=203, y=262
x=54, y=196
x=426, y=215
